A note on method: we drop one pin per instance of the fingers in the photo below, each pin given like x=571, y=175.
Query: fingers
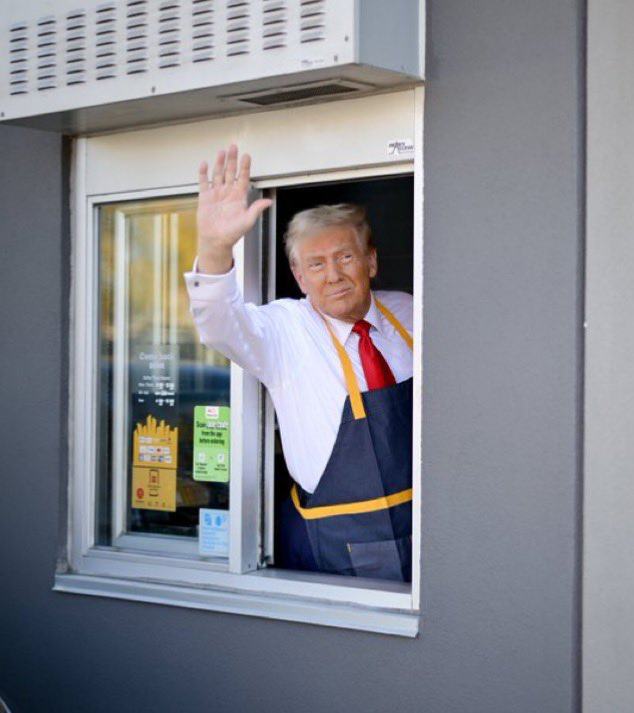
x=245, y=172
x=231, y=169
x=258, y=207
x=203, y=178
x=225, y=170
x=219, y=169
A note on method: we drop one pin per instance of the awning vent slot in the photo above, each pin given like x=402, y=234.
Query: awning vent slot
x=76, y=47
x=202, y=30
x=136, y=35
x=106, y=41
x=19, y=59
x=274, y=24
x=169, y=34
x=47, y=53
x=312, y=26
x=238, y=27
x=301, y=92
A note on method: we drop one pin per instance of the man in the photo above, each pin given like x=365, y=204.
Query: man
x=338, y=366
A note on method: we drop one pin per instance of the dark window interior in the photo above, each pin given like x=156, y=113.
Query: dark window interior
x=389, y=202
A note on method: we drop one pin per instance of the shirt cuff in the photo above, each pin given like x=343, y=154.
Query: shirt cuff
x=203, y=287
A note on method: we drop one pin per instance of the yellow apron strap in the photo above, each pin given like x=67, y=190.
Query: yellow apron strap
x=356, y=401
x=362, y=506
x=395, y=323
x=358, y=409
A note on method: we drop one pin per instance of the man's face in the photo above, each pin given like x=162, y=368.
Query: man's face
x=333, y=270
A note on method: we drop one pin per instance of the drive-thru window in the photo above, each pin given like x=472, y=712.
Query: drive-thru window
x=176, y=472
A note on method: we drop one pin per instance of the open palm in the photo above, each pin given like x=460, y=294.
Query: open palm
x=223, y=213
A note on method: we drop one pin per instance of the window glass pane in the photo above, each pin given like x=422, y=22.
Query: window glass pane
x=153, y=372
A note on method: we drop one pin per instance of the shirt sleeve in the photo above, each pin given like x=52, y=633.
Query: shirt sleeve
x=244, y=332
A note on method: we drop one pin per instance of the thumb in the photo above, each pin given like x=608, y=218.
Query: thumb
x=258, y=207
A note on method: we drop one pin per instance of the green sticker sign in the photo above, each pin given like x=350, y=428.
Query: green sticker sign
x=212, y=428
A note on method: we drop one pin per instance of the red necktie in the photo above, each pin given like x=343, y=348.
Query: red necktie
x=377, y=371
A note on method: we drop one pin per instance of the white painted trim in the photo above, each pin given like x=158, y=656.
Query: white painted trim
x=83, y=384
x=243, y=484
x=252, y=604
x=395, y=168
x=157, y=543
x=149, y=193
x=268, y=409
x=289, y=595
x=119, y=373
x=77, y=207
x=343, y=135
x=417, y=416
x=184, y=570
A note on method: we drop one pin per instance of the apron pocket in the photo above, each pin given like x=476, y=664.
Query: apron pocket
x=381, y=560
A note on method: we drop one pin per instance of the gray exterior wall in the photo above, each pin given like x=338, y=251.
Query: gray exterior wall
x=502, y=380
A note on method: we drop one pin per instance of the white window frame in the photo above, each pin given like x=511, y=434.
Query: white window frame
x=173, y=575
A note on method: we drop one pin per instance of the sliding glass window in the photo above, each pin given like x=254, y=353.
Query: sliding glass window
x=163, y=421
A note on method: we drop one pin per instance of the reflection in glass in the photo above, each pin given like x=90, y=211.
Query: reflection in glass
x=153, y=371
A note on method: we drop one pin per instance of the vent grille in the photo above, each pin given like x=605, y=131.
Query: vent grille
x=105, y=41
x=46, y=53
x=120, y=37
x=299, y=93
x=274, y=24
x=19, y=59
x=312, y=26
x=136, y=36
x=76, y=47
x=202, y=30
x=169, y=33
x=238, y=27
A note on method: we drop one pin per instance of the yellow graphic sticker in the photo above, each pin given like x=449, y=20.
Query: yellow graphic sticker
x=154, y=461
x=155, y=444
x=154, y=488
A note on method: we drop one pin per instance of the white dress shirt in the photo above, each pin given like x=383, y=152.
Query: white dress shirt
x=286, y=345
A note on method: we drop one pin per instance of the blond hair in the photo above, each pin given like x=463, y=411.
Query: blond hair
x=314, y=220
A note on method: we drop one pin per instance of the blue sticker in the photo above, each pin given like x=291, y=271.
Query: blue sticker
x=213, y=532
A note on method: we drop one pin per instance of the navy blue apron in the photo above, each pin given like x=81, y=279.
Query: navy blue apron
x=359, y=519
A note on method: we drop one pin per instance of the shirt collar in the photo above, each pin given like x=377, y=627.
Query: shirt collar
x=343, y=329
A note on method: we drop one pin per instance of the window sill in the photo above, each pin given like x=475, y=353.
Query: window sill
x=308, y=610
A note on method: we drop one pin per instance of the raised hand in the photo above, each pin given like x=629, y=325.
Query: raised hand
x=223, y=214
